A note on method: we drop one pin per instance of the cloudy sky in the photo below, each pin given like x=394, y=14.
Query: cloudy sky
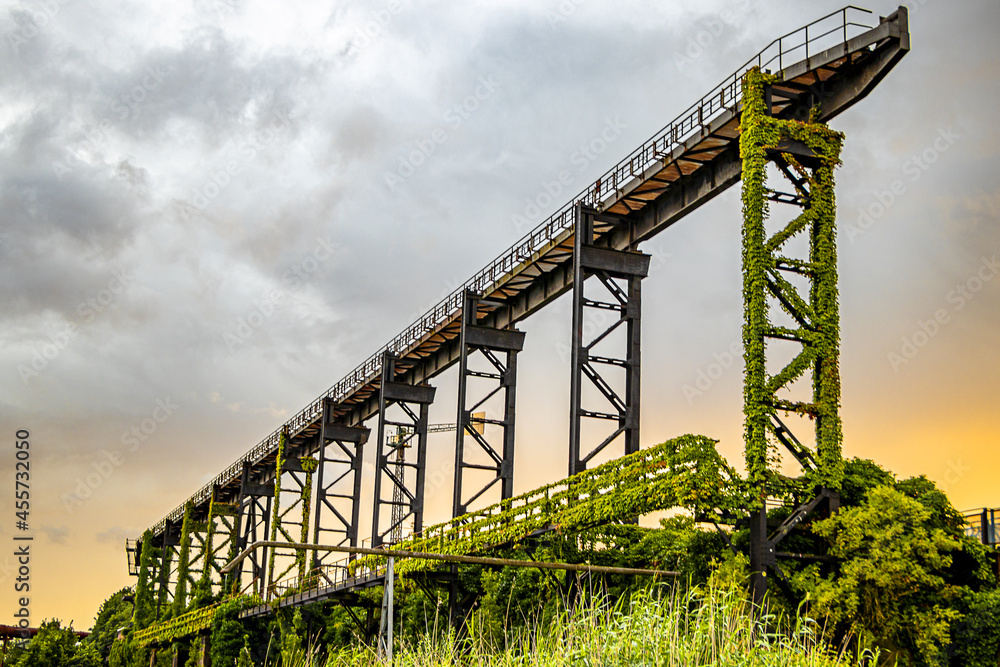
x=171, y=172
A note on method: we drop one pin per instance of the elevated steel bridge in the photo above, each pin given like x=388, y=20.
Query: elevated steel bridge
x=303, y=482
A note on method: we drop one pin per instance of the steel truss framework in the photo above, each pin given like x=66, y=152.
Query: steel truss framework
x=499, y=347
x=293, y=478
x=165, y=573
x=201, y=545
x=590, y=243
x=255, y=510
x=406, y=491
x=338, y=484
x=610, y=267
x=220, y=545
x=804, y=288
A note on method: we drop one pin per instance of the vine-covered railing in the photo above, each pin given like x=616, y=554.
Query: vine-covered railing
x=832, y=29
x=683, y=472
x=184, y=625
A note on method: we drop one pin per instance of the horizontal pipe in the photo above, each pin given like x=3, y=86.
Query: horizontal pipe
x=448, y=558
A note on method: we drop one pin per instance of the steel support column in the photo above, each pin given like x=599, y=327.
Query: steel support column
x=255, y=521
x=797, y=283
x=413, y=401
x=338, y=483
x=166, y=575
x=491, y=344
x=621, y=274
x=220, y=544
x=190, y=529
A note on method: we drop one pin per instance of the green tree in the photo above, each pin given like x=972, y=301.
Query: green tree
x=889, y=585
x=114, y=613
x=228, y=636
x=860, y=477
x=55, y=645
x=977, y=636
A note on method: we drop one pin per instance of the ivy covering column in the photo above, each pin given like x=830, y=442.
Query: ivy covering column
x=183, y=562
x=144, y=614
x=806, y=154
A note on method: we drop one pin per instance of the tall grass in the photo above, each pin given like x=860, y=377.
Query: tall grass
x=661, y=627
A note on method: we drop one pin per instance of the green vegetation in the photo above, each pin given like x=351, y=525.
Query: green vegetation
x=904, y=583
x=184, y=561
x=54, y=645
x=905, y=574
x=658, y=626
x=115, y=613
x=145, y=613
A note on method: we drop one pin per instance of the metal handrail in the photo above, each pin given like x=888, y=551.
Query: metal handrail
x=610, y=185
x=979, y=519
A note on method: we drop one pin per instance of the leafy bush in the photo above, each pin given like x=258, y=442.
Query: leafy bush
x=228, y=634
x=115, y=613
x=56, y=645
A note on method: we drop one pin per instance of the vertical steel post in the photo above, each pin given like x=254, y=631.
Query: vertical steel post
x=388, y=375
x=390, y=589
x=421, y=467
x=255, y=513
x=163, y=575
x=582, y=237
x=633, y=364
x=758, y=555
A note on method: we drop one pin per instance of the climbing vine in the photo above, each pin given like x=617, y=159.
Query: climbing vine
x=203, y=589
x=309, y=465
x=184, y=561
x=279, y=462
x=759, y=134
x=163, y=608
x=144, y=613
